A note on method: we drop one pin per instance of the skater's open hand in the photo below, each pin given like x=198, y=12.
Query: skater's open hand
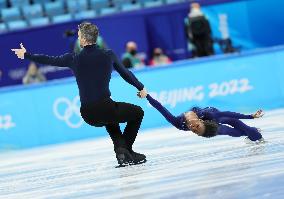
x=258, y=114
x=143, y=93
x=20, y=52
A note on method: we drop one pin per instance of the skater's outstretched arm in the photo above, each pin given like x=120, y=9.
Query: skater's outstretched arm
x=127, y=75
x=65, y=60
x=169, y=117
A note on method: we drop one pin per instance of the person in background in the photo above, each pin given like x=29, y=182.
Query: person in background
x=33, y=75
x=159, y=58
x=130, y=58
x=198, y=32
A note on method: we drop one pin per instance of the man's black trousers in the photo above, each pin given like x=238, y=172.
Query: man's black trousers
x=109, y=113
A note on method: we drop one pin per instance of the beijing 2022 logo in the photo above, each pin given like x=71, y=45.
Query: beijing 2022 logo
x=68, y=111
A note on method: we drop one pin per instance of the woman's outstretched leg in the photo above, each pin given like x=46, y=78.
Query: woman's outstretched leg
x=235, y=115
x=240, y=129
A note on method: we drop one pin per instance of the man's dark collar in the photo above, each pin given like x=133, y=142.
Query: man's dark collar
x=91, y=46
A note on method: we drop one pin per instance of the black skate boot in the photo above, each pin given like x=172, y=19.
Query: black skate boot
x=123, y=157
x=138, y=158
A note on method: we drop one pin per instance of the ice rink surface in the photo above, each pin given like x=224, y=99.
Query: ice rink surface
x=180, y=165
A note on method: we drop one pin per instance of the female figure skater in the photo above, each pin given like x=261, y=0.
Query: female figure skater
x=209, y=122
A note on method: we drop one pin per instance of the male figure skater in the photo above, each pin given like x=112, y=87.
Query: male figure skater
x=92, y=68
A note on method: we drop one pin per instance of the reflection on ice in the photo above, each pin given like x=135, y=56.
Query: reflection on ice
x=180, y=165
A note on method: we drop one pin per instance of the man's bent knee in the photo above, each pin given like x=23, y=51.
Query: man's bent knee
x=140, y=112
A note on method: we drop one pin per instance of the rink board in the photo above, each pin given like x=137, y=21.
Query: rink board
x=48, y=114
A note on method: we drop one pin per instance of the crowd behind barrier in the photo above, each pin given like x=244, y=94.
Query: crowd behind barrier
x=150, y=28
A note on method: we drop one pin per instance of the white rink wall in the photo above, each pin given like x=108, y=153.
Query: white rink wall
x=50, y=113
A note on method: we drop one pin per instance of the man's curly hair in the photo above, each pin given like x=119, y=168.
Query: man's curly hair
x=89, y=31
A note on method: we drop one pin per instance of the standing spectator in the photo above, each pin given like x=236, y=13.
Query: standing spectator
x=33, y=75
x=159, y=58
x=198, y=32
x=130, y=58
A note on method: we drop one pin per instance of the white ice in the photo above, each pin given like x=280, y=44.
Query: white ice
x=180, y=165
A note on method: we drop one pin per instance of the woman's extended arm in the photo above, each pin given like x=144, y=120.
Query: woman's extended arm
x=169, y=117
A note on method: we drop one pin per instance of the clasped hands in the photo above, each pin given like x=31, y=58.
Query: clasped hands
x=143, y=93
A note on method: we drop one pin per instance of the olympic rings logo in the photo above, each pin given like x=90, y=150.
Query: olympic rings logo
x=68, y=111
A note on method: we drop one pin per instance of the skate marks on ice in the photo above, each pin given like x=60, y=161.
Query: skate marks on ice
x=179, y=165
